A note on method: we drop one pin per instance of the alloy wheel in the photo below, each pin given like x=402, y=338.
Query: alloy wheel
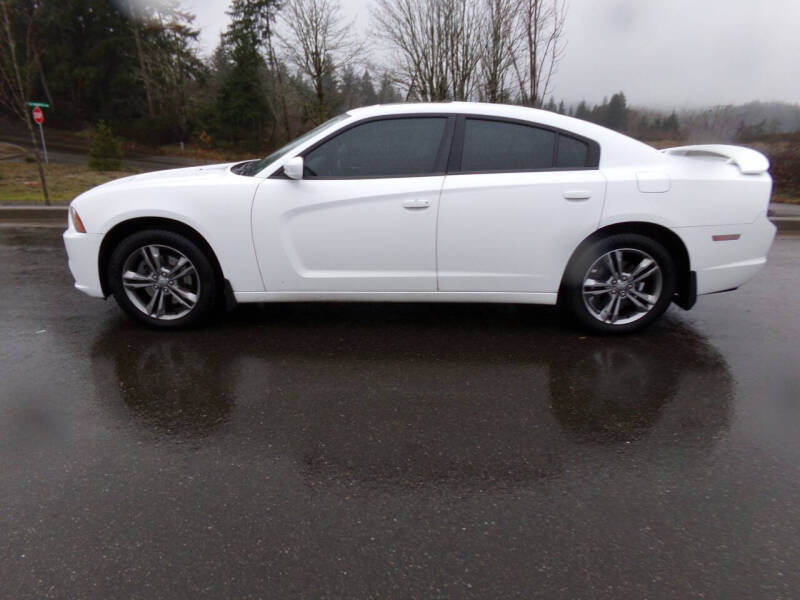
x=622, y=286
x=161, y=282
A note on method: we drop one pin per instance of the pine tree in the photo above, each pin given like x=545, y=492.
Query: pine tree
x=582, y=112
x=242, y=105
x=366, y=90
x=671, y=122
x=616, y=113
x=348, y=88
x=105, y=151
x=387, y=93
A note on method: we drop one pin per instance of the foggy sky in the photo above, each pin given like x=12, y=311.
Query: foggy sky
x=661, y=53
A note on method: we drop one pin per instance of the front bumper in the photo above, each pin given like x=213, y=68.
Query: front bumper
x=83, y=251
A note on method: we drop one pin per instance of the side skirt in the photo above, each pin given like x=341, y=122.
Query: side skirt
x=495, y=297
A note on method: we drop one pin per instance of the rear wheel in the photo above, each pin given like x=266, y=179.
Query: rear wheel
x=163, y=279
x=620, y=284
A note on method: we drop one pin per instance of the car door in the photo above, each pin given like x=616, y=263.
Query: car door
x=517, y=201
x=363, y=217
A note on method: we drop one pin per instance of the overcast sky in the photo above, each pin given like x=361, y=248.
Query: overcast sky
x=663, y=53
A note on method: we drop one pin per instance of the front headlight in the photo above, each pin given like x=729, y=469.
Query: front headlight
x=76, y=220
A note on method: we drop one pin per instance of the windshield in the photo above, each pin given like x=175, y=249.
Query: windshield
x=253, y=167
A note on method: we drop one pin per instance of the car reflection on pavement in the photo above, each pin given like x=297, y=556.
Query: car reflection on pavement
x=409, y=395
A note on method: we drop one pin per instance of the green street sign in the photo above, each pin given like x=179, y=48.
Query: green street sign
x=39, y=104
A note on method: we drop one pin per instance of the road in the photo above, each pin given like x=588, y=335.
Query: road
x=396, y=450
x=70, y=153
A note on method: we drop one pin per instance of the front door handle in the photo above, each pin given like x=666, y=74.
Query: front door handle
x=416, y=203
x=577, y=195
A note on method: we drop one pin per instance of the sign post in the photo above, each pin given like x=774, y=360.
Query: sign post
x=38, y=116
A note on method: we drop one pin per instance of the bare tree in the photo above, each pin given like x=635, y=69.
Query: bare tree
x=18, y=70
x=281, y=87
x=318, y=42
x=449, y=49
x=437, y=45
x=465, y=30
x=541, y=32
x=500, y=46
x=412, y=29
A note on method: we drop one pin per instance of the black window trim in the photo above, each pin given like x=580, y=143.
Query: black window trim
x=457, y=152
x=451, y=147
x=440, y=164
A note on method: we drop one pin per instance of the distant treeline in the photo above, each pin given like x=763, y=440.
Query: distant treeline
x=615, y=114
x=283, y=66
x=724, y=123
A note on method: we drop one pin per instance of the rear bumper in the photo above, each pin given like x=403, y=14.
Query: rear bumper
x=83, y=250
x=724, y=265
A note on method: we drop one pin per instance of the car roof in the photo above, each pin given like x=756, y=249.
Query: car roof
x=616, y=149
x=474, y=108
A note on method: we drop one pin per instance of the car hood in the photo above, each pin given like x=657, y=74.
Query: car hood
x=169, y=175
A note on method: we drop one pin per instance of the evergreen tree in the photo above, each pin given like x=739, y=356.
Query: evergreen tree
x=242, y=106
x=387, y=94
x=671, y=122
x=599, y=113
x=88, y=65
x=349, y=88
x=366, y=90
x=582, y=112
x=616, y=113
x=105, y=151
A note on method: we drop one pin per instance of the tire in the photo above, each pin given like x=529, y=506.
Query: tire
x=608, y=298
x=163, y=279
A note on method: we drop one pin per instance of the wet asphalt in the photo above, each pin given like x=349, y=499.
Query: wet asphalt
x=392, y=451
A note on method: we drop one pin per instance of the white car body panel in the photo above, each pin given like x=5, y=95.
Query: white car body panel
x=499, y=237
x=514, y=232
x=347, y=235
x=211, y=200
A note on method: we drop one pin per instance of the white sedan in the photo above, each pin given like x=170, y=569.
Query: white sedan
x=456, y=202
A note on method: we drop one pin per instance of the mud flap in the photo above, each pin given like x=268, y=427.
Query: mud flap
x=230, y=299
x=687, y=297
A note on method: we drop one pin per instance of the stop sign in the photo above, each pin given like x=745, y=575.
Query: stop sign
x=38, y=115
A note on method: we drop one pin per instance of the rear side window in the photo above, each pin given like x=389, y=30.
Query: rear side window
x=386, y=148
x=572, y=153
x=502, y=146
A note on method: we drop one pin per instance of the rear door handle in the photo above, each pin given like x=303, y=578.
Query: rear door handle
x=416, y=203
x=577, y=195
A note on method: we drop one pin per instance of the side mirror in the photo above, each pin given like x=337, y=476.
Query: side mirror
x=294, y=168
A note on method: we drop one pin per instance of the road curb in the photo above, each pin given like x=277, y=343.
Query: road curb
x=48, y=216
x=787, y=225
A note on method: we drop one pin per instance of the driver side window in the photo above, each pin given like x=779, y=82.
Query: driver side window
x=396, y=147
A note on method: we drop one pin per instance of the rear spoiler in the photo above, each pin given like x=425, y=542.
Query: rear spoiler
x=750, y=162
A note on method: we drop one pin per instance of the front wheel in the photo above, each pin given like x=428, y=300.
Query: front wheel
x=163, y=279
x=620, y=284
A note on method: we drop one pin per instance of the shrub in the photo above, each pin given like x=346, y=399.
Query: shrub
x=105, y=151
